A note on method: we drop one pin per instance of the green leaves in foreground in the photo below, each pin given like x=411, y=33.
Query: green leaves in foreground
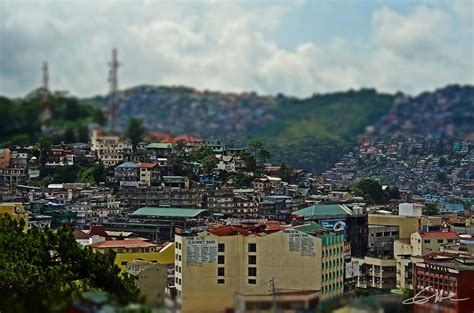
x=43, y=271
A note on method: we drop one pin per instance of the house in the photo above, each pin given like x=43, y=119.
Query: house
x=149, y=173
x=128, y=174
x=152, y=280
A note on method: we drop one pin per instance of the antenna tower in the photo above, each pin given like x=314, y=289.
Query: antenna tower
x=45, y=77
x=113, y=84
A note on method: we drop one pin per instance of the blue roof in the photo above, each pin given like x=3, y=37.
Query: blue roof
x=128, y=165
x=456, y=207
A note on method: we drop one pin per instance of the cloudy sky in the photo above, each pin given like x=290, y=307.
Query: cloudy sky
x=293, y=47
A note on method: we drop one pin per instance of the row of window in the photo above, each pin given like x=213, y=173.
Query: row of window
x=334, y=251
x=252, y=247
x=252, y=271
x=439, y=241
x=332, y=287
x=332, y=275
x=333, y=263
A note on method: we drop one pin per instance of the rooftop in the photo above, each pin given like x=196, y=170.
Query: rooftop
x=122, y=244
x=127, y=165
x=324, y=210
x=167, y=212
x=439, y=235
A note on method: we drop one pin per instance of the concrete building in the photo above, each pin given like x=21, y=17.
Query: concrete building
x=426, y=242
x=152, y=280
x=111, y=150
x=15, y=210
x=380, y=241
x=376, y=273
x=149, y=174
x=249, y=259
x=128, y=251
x=127, y=174
x=410, y=209
x=445, y=275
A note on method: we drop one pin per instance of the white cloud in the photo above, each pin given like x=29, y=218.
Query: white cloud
x=227, y=46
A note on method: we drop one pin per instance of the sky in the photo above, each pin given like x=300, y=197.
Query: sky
x=294, y=47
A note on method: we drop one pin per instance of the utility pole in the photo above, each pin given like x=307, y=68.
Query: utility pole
x=274, y=299
x=113, y=88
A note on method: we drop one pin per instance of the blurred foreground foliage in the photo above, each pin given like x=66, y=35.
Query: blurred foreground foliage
x=44, y=271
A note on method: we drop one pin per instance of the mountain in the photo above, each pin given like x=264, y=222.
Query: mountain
x=424, y=143
x=311, y=133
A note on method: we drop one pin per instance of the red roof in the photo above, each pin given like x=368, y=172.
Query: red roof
x=147, y=165
x=188, y=139
x=98, y=230
x=79, y=234
x=440, y=235
x=168, y=139
x=122, y=244
x=229, y=231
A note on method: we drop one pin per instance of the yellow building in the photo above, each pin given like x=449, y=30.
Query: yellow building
x=128, y=251
x=16, y=210
x=250, y=260
x=407, y=224
x=111, y=150
x=376, y=273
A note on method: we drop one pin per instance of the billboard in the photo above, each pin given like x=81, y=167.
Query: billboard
x=334, y=224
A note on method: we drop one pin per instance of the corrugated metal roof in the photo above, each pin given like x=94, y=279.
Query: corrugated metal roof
x=159, y=145
x=324, y=210
x=167, y=212
x=128, y=165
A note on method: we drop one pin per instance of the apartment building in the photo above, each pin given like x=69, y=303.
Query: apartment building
x=247, y=259
x=111, y=150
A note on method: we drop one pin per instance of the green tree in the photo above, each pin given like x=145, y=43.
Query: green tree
x=430, y=209
x=44, y=148
x=263, y=155
x=82, y=133
x=43, y=271
x=135, y=131
x=285, y=172
x=256, y=144
x=209, y=164
x=249, y=160
x=371, y=190
x=69, y=135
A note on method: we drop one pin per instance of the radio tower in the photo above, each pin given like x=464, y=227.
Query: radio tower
x=113, y=82
x=45, y=76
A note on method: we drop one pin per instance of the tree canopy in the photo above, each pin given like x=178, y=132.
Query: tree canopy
x=43, y=271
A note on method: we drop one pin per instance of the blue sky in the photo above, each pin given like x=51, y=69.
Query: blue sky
x=293, y=47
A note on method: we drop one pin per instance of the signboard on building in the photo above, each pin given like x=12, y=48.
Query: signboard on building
x=300, y=242
x=334, y=224
x=352, y=269
x=200, y=251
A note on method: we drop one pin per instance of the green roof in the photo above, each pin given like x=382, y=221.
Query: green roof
x=310, y=228
x=158, y=145
x=167, y=212
x=324, y=210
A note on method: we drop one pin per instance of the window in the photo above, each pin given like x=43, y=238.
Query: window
x=378, y=234
x=124, y=263
x=252, y=271
x=179, y=245
x=221, y=247
x=220, y=271
x=179, y=257
x=220, y=281
x=440, y=240
x=386, y=234
x=252, y=247
x=220, y=259
x=426, y=241
x=450, y=240
x=252, y=259
x=252, y=281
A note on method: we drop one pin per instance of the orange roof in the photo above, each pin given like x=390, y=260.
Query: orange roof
x=187, y=138
x=79, y=234
x=168, y=139
x=229, y=231
x=440, y=235
x=122, y=244
x=147, y=165
x=157, y=135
